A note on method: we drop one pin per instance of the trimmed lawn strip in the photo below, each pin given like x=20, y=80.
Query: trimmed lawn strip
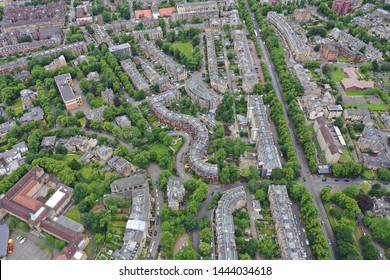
x=338, y=75
x=74, y=214
x=372, y=107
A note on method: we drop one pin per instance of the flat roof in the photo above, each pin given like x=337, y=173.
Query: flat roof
x=56, y=197
x=64, y=87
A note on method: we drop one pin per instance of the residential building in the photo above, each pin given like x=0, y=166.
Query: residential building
x=175, y=192
x=370, y=141
x=123, y=121
x=71, y=99
x=361, y=115
x=104, y=152
x=196, y=6
x=202, y=95
x=173, y=68
x=152, y=75
x=260, y=133
x=199, y=132
x=5, y=127
x=35, y=114
x=151, y=34
x=26, y=17
x=293, y=34
x=286, y=230
x=232, y=200
x=305, y=78
x=327, y=142
x=79, y=143
x=381, y=31
x=28, y=201
x=121, y=50
x=135, y=76
x=330, y=52
x=353, y=82
x=27, y=96
x=93, y=76
x=56, y=63
x=341, y=7
x=15, y=65
x=48, y=142
x=75, y=48
x=246, y=66
x=120, y=165
x=125, y=186
x=100, y=33
x=216, y=80
x=347, y=40
x=29, y=46
x=189, y=16
x=11, y=159
x=314, y=104
x=108, y=95
x=351, y=54
x=333, y=111
x=96, y=114
x=136, y=231
x=386, y=120
x=302, y=15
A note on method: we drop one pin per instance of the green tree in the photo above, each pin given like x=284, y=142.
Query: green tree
x=187, y=253
x=205, y=235
x=267, y=247
x=205, y=248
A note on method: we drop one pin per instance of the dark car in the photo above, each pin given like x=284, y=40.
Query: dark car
x=155, y=232
x=324, y=180
x=304, y=179
x=346, y=180
x=336, y=180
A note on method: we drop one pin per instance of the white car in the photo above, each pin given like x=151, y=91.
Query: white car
x=22, y=240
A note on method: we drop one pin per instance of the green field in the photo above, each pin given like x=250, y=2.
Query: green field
x=372, y=107
x=159, y=148
x=184, y=47
x=360, y=92
x=338, y=75
x=87, y=172
x=74, y=214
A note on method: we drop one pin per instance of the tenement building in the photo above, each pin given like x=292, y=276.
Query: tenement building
x=261, y=134
x=198, y=130
x=293, y=35
x=202, y=95
x=173, y=68
x=216, y=80
x=224, y=224
x=135, y=76
x=248, y=71
x=286, y=230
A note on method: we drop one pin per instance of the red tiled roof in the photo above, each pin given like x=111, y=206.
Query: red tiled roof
x=23, y=182
x=353, y=80
x=62, y=257
x=166, y=11
x=145, y=13
x=25, y=200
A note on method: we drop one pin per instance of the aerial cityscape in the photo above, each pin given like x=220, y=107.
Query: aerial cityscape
x=195, y=130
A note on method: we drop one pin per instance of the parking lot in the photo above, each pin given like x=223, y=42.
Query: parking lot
x=29, y=250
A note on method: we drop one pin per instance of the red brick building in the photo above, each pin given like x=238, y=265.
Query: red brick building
x=341, y=7
x=329, y=52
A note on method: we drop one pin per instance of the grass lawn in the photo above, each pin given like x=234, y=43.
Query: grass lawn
x=159, y=148
x=82, y=121
x=179, y=143
x=331, y=219
x=184, y=47
x=380, y=123
x=233, y=67
x=360, y=92
x=74, y=214
x=338, y=75
x=70, y=157
x=372, y=107
x=369, y=174
x=346, y=156
x=18, y=107
x=341, y=58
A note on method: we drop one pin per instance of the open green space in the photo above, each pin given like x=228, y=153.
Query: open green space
x=70, y=157
x=87, y=172
x=360, y=92
x=341, y=58
x=178, y=143
x=159, y=148
x=18, y=107
x=74, y=214
x=369, y=174
x=184, y=47
x=346, y=156
x=372, y=107
x=233, y=67
x=82, y=121
x=338, y=75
